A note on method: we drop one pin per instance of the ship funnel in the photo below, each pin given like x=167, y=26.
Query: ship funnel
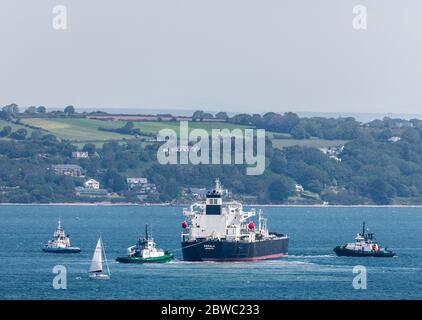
x=214, y=200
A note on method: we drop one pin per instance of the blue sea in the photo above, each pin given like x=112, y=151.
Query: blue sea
x=311, y=271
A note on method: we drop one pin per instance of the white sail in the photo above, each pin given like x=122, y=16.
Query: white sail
x=97, y=258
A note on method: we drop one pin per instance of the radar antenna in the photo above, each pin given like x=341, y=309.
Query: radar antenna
x=217, y=185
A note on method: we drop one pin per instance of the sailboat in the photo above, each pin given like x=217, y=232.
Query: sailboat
x=96, y=270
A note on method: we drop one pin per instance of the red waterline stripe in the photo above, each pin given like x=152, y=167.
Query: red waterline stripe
x=271, y=256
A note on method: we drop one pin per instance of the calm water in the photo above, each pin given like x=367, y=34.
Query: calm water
x=311, y=271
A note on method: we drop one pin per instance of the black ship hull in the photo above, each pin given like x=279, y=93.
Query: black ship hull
x=221, y=250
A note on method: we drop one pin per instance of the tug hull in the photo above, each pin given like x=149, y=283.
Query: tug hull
x=167, y=257
x=340, y=251
x=62, y=250
x=221, y=250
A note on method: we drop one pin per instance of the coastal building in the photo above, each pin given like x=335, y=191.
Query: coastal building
x=80, y=155
x=72, y=170
x=299, y=188
x=91, y=192
x=141, y=186
x=333, y=152
x=135, y=183
x=92, y=184
x=148, y=189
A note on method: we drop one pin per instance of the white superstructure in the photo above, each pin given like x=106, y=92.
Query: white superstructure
x=145, y=248
x=364, y=242
x=60, y=239
x=215, y=219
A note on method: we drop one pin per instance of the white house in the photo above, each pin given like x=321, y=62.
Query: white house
x=299, y=188
x=92, y=184
x=394, y=139
x=332, y=151
x=68, y=170
x=80, y=155
x=136, y=182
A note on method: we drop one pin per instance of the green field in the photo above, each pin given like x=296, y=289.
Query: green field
x=315, y=143
x=86, y=130
x=83, y=130
x=155, y=126
x=14, y=126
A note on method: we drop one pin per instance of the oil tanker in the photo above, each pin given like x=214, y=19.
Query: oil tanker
x=222, y=231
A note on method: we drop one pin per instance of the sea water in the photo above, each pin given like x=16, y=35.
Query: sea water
x=312, y=271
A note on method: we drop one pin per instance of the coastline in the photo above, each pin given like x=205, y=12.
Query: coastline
x=107, y=204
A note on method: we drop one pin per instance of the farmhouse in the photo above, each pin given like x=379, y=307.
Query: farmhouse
x=68, y=170
x=80, y=155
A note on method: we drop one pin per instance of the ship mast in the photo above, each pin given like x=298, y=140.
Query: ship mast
x=146, y=232
x=217, y=185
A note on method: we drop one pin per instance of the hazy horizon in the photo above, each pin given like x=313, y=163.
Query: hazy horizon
x=359, y=116
x=237, y=56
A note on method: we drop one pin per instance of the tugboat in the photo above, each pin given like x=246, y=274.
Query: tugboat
x=145, y=251
x=60, y=242
x=223, y=231
x=364, y=246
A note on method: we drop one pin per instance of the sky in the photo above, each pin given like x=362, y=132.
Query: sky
x=230, y=55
